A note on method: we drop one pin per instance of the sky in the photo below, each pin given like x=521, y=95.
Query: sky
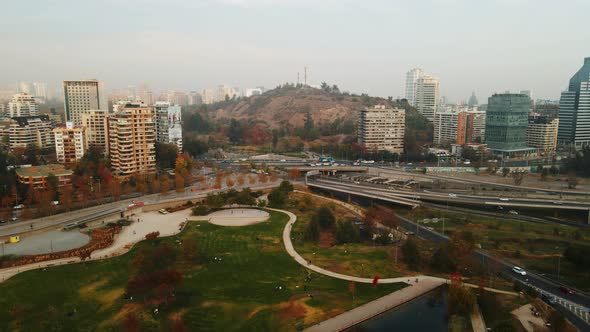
x=363, y=46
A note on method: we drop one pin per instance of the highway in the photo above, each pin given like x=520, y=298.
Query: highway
x=425, y=195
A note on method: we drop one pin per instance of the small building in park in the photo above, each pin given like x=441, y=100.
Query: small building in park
x=14, y=239
x=36, y=176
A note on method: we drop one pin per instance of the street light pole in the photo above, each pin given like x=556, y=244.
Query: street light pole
x=558, y=266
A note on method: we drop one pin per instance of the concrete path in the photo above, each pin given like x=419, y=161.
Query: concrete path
x=374, y=308
x=477, y=322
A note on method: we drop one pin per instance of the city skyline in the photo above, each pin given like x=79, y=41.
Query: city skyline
x=190, y=48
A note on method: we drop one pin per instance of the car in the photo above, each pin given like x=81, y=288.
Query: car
x=19, y=206
x=518, y=270
x=558, y=202
x=14, y=218
x=55, y=203
x=453, y=195
x=163, y=211
x=504, y=199
x=513, y=212
x=283, y=160
x=566, y=290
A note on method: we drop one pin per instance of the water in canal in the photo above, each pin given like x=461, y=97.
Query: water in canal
x=428, y=312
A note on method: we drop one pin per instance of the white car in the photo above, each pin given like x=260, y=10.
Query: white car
x=504, y=199
x=518, y=270
x=18, y=207
x=452, y=195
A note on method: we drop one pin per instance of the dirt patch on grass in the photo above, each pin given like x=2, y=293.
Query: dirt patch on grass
x=177, y=315
x=326, y=239
x=91, y=288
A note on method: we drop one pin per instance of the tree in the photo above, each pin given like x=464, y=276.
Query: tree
x=505, y=171
x=411, y=253
x=347, y=232
x=572, y=179
x=277, y=198
x=518, y=177
x=544, y=174
x=312, y=231
x=235, y=131
x=179, y=183
x=461, y=300
x=286, y=186
x=441, y=261
x=166, y=154
x=324, y=217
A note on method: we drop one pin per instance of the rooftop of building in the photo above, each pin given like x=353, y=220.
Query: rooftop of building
x=43, y=170
x=24, y=120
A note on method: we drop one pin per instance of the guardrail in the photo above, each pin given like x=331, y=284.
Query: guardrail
x=93, y=218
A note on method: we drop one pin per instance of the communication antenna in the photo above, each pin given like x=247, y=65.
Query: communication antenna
x=305, y=76
x=297, y=78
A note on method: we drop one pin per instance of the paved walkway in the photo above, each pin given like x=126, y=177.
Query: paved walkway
x=530, y=322
x=374, y=308
x=477, y=322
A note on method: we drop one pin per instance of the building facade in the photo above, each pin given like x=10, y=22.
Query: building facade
x=542, y=133
x=476, y=126
x=70, y=143
x=506, y=124
x=427, y=96
x=36, y=130
x=95, y=122
x=450, y=128
x=81, y=96
x=574, y=110
x=411, y=81
x=132, y=138
x=168, y=124
x=381, y=128
x=23, y=104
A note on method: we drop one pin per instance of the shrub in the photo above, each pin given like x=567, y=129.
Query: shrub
x=324, y=217
x=152, y=236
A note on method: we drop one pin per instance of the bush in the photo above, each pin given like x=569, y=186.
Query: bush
x=312, y=231
x=152, y=236
x=441, y=261
x=461, y=300
x=277, y=198
x=200, y=210
x=411, y=253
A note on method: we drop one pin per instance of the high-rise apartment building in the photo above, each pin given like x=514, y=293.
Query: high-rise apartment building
x=82, y=96
x=36, y=130
x=23, y=104
x=132, y=138
x=541, y=133
x=70, y=143
x=476, y=126
x=411, y=80
x=95, y=122
x=506, y=124
x=168, y=123
x=450, y=128
x=208, y=96
x=574, y=110
x=381, y=128
x=427, y=96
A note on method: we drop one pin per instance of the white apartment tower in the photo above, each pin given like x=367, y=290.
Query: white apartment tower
x=82, y=96
x=411, y=80
x=427, y=96
x=381, y=128
x=70, y=143
x=132, y=138
x=95, y=122
x=36, y=130
x=168, y=123
x=22, y=104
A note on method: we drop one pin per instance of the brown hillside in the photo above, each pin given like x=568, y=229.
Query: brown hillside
x=290, y=105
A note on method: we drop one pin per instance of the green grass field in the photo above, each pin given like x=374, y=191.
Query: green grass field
x=238, y=293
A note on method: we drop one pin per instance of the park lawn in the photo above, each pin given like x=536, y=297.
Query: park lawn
x=533, y=246
x=364, y=259
x=238, y=293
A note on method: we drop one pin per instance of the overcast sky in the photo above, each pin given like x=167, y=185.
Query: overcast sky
x=362, y=45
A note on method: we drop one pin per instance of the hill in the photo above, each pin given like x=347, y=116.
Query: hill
x=293, y=118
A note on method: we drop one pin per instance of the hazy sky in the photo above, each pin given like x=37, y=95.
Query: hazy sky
x=363, y=45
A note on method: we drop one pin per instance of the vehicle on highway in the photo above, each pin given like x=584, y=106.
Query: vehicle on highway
x=549, y=299
x=356, y=163
x=14, y=218
x=504, y=199
x=163, y=211
x=558, y=202
x=19, y=206
x=283, y=160
x=566, y=290
x=513, y=212
x=55, y=203
x=519, y=270
x=453, y=195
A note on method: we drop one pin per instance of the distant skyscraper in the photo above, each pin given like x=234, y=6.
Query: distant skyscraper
x=168, y=124
x=82, y=96
x=35, y=89
x=208, y=96
x=22, y=104
x=472, y=100
x=506, y=124
x=427, y=96
x=574, y=110
x=411, y=80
